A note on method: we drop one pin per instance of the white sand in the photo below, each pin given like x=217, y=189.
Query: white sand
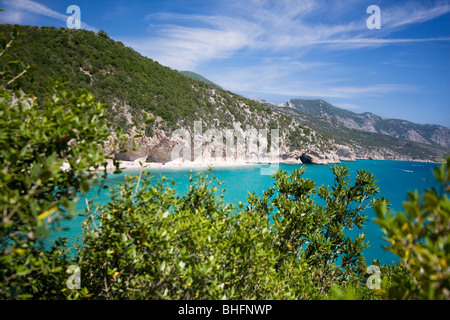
x=139, y=164
x=136, y=165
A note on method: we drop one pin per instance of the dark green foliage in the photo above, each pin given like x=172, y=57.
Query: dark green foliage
x=36, y=139
x=85, y=60
x=121, y=77
x=103, y=34
x=149, y=243
x=152, y=244
x=316, y=233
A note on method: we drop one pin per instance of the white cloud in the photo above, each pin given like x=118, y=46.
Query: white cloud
x=185, y=41
x=413, y=12
x=180, y=45
x=187, y=47
x=293, y=80
x=13, y=17
x=374, y=90
x=271, y=75
x=37, y=8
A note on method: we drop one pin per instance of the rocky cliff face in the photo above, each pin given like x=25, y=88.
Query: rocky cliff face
x=252, y=134
x=361, y=136
x=307, y=146
x=369, y=122
x=161, y=148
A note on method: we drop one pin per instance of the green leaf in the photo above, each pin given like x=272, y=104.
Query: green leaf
x=85, y=186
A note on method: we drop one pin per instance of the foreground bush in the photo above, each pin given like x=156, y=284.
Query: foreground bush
x=149, y=243
x=36, y=139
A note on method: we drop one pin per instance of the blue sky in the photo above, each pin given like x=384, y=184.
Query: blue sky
x=278, y=50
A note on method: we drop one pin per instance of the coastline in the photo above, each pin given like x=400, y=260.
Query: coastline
x=179, y=165
x=174, y=165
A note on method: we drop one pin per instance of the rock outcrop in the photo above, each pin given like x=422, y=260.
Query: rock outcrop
x=292, y=157
x=315, y=157
x=161, y=152
x=345, y=153
x=160, y=148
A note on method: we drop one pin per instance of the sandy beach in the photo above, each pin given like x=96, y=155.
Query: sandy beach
x=140, y=164
x=136, y=165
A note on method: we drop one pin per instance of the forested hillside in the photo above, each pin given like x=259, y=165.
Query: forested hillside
x=136, y=89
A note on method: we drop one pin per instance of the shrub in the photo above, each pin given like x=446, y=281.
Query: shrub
x=148, y=243
x=153, y=244
x=419, y=237
x=35, y=141
x=316, y=234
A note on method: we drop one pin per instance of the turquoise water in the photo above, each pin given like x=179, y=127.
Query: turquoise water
x=394, y=178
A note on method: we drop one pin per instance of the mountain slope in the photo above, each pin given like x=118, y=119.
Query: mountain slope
x=366, y=145
x=136, y=88
x=368, y=122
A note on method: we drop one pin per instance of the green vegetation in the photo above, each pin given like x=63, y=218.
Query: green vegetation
x=122, y=78
x=154, y=244
x=36, y=139
x=148, y=242
x=419, y=237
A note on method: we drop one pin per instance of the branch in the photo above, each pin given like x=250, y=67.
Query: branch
x=91, y=215
x=16, y=77
x=7, y=46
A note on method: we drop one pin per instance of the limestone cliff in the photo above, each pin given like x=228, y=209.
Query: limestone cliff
x=161, y=148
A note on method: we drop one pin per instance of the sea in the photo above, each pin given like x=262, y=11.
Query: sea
x=394, y=178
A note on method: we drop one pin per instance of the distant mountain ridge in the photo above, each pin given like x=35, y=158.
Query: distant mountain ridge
x=198, y=77
x=369, y=122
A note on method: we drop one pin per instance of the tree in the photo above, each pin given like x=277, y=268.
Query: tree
x=316, y=234
x=36, y=140
x=103, y=34
x=149, y=243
